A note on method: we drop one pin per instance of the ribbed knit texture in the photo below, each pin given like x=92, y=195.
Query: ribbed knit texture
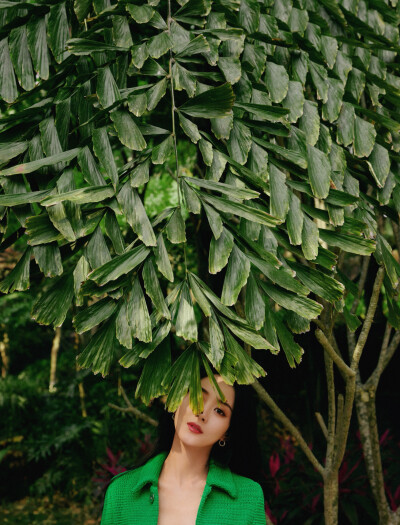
x=228, y=499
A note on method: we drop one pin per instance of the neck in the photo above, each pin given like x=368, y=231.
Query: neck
x=185, y=465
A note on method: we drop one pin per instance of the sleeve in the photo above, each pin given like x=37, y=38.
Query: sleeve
x=258, y=517
x=106, y=516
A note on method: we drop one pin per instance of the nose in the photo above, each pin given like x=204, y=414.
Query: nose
x=201, y=415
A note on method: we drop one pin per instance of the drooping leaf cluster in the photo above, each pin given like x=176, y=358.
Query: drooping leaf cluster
x=292, y=105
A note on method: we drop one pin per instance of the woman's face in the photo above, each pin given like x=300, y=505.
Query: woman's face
x=211, y=425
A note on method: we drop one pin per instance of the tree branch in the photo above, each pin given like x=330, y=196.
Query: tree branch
x=345, y=370
x=263, y=394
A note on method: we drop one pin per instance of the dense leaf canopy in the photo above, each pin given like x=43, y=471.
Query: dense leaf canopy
x=292, y=106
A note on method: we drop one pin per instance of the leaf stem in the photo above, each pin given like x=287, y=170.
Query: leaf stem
x=173, y=109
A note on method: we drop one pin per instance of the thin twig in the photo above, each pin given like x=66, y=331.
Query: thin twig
x=331, y=438
x=344, y=369
x=383, y=361
x=264, y=396
x=321, y=423
x=368, y=319
x=136, y=412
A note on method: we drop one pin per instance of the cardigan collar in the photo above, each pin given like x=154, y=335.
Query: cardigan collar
x=217, y=476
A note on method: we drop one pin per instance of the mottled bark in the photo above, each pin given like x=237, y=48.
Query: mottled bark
x=53, y=360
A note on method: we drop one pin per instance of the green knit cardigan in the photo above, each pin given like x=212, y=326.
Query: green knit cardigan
x=228, y=499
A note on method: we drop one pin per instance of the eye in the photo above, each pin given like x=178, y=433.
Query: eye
x=220, y=412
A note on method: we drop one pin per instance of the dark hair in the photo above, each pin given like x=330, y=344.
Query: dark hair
x=241, y=453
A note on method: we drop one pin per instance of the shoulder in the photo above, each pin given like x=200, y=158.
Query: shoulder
x=125, y=481
x=247, y=488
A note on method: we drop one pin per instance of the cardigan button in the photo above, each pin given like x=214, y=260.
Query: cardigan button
x=151, y=498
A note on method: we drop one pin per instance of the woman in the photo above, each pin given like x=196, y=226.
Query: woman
x=195, y=475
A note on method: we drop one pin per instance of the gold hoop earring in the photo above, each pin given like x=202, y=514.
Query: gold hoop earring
x=222, y=442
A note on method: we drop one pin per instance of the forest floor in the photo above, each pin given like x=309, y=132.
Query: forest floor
x=43, y=511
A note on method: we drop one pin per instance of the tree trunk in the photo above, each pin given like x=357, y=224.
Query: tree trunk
x=53, y=360
x=367, y=424
x=331, y=498
x=4, y=356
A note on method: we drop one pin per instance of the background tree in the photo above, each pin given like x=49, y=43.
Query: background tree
x=292, y=108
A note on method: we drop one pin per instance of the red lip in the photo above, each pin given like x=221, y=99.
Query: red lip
x=195, y=428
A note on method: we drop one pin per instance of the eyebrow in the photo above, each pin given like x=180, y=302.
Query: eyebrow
x=220, y=400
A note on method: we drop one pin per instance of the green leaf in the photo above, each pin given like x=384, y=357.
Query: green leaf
x=114, y=232
x=294, y=221
x=120, y=265
x=97, y=252
x=128, y=132
x=183, y=79
x=37, y=43
x=255, y=304
x=199, y=296
x=21, y=58
x=162, y=259
x=156, y=93
x=156, y=366
x=48, y=258
x=195, y=46
x=58, y=31
x=191, y=200
x=247, y=369
x=239, y=142
x=364, y=137
x=190, y=128
x=220, y=250
x=228, y=189
x=309, y=239
x=319, y=76
x=214, y=220
x=18, y=278
x=136, y=215
x=138, y=314
x=301, y=305
x=53, y=305
x=180, y=377
x=94, y=314
x=8, y=85
x=82, y=9
x=206, y=150
x=100, y=353
x=153, y=289
x=242, y=210
x=348, y=243
x=176, y=232
x=264, y=112
x=143, y=350
x=103, y=151
x=140, y=54
x=384, y=255
x=85, y=46
x=140, y=175
x=40, y=230
x=35, y=165
x=140, y=13
x=309, y=122
x=16, y=199
x=294, y=100
x=163, y=151
x=345, y=124
x=379, y=164
x=158, y=45
x=293, y=351
x=318, y=282
x=81, y=196
x=231, y=68
x=277, y=81
x=279, y=202
x=122, y=328
x=236, y=276
x=319, y=172
x=332, y=107
x=90, y=169
x=216, y=341
x=215, y=102
x=352, y=321
x=185, y=322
